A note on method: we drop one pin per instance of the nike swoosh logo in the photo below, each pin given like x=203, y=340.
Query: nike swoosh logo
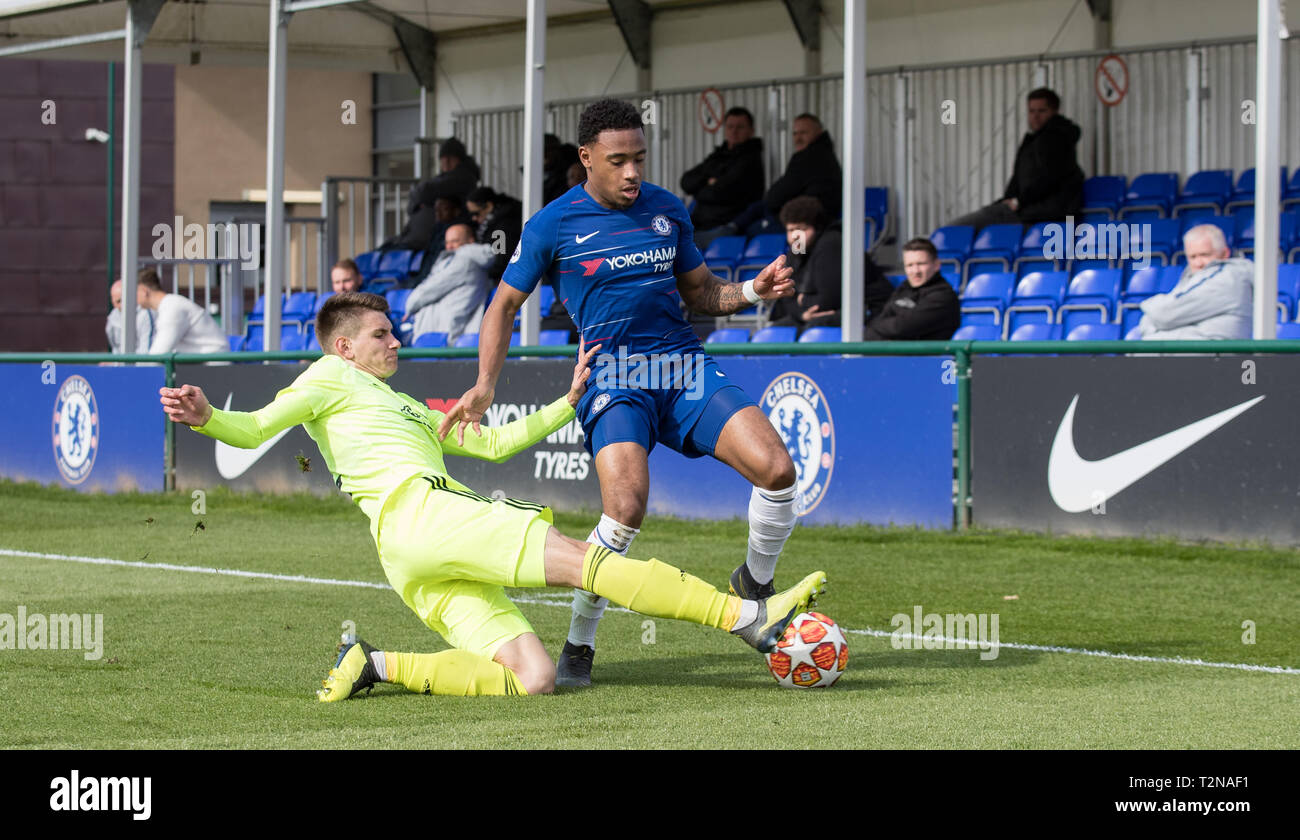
x=232, y=462
x=1077, y=485
x=582, y=239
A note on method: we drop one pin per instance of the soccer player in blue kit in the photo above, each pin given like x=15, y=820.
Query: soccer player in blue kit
x=620, y=254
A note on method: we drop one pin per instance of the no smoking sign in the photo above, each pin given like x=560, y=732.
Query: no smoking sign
x=1111, y=80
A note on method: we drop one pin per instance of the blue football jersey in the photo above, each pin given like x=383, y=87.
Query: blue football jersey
x=615, y=271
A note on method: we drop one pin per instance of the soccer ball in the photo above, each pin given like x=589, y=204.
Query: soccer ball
x=812, y=654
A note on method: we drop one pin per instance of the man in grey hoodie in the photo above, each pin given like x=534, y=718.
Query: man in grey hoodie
x=1213, y=298
x=450, y=299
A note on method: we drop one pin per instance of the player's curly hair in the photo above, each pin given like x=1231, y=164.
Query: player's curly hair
x=341, y=315
x=606, y=115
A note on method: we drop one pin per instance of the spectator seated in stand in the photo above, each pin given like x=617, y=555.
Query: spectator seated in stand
x=1213, y=298
x=1046, y=183
x=458, y=176
x=450, y=299
x=728, y=180
x=815, y=248
x=558, y=158
x=346, y=277
x=115, y=330
x=813, y=170
x=499, y=220
x=923, y=308
x=180, y=324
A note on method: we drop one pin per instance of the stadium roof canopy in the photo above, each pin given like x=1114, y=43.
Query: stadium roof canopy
x=391, y=35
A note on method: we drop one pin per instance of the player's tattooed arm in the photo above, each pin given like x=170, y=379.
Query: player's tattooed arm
x=707, y=294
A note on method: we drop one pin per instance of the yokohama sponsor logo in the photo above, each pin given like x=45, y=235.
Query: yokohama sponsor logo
x=654, y=255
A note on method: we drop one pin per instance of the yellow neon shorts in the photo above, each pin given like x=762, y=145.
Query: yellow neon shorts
x=448, y=552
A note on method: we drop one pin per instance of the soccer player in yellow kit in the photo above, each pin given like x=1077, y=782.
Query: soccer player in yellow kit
x=447, y=550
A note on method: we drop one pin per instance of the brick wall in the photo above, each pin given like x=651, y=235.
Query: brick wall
x=53, y=199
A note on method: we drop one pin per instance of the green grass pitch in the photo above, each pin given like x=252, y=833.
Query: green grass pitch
x=208, y=661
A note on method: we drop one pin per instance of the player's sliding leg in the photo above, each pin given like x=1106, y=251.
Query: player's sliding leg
x=624, y=486
x=750, y=445
x=662, y=591
x=459, y=673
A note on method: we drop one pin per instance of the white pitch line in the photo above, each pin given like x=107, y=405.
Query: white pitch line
x=556, y=602
x=1104, y=654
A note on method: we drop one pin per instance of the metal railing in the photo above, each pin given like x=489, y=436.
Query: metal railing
x=354, y=227
x=218, y=272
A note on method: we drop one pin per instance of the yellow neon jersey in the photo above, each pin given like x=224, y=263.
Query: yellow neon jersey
x=374, y=438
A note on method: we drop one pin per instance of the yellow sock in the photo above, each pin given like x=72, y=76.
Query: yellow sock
x=657, y=589
x=455, y=672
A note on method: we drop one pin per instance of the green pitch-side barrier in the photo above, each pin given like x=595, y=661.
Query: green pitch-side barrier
x=963, y=353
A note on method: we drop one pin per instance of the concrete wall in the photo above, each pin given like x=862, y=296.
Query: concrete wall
x=53, y=197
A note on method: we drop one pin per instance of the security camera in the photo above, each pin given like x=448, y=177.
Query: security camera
x=96, y=135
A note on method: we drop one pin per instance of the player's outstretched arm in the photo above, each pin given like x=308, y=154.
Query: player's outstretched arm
x=493, y=342
x=247, y=430
x=499, y=443
x=707, y=294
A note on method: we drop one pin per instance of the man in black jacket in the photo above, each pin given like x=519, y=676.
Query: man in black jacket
x=813, y=169
x=729, y=179
x=427, y=223
x=1046, y=184
x=815, y=254
x=499, y=220
x=923, y=308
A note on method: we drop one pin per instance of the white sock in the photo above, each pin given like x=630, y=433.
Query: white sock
x=771, y=519
x=381, y=665
x=588, y=608
x=748, y=612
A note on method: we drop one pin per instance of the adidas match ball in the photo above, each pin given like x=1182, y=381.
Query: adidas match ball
x=812, y=654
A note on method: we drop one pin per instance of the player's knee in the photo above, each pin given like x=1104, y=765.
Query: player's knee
x=779, y=474
x=538, y=678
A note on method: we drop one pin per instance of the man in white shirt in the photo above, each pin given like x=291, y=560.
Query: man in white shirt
x=1213, y=299
x=180, y=324
x=114, y=328
x=450, y=299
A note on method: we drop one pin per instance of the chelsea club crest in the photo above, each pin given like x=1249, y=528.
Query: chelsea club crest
x=661, y=225
x=76, y=429
x=798, y=410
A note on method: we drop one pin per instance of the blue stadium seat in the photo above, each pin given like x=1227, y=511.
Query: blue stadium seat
x=953, y=278
x=1092, y=297
x=236, y=343
x=722, y=255
x=1289, y=330
x=1288, y=290
x=467, y=340
x=818, y=335
x=760, y=251
x=395, y=264
x=1289, y=235
x=876, y=211
x=430, y=339
x=545, y=298
x=1094, y=217
x=1077, y=266
x=774, y=335
x=289, y=335
x=896, y=280
x=1291, y=192
x=1093, y=332
x=1209, y=188
x=1243, y=195
x=293, y=341
x=397, y=304
x=299, y=308
x=1026, y=267
x=367, y=264
x=1103, y=194
x=987, y=296
x=996, y=244
x=1036, y=300
x=1036, y=332
x=516, y=340
x=1153, y=191
x=977, y=332
x=312, y=343
x=953, y=244
x=320, y=301
x=1032, y=247
x=1197, y=215
x=1145, y=282
x=1158, y=239
x=380, y=287
x=551, y=338
x=729, y=335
